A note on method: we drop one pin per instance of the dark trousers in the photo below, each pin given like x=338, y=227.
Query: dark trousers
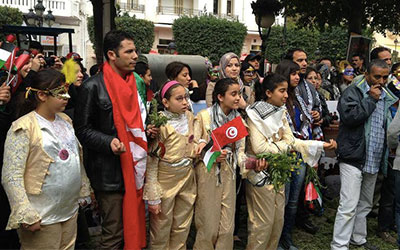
x=386, y=203
x=240, y=196
x=112, y=234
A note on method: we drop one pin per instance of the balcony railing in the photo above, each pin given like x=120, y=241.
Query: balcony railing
x=167, y=10
x=180, y=11
x=27, y=4
x=132, y=7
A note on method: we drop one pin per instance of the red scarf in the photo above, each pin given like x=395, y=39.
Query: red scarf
x=128, y=122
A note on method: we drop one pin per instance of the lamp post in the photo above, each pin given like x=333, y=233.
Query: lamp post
x=395, y=48
x=37, y=18
x=265, y=11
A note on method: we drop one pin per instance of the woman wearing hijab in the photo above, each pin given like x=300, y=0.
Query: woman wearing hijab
x=229, y=67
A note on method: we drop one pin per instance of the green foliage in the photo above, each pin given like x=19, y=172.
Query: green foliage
x=90, y=27
x=277, y=46
x=355, y=14
x=208, y=36
x=331, y=42
x=157, y=118
x=142, y=31
x=280, y=167
x=10, y=16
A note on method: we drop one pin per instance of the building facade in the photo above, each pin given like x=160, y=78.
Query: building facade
x=163, y=12
x=70, y=14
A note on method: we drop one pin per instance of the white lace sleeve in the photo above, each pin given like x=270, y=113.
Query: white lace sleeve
x=16, y=150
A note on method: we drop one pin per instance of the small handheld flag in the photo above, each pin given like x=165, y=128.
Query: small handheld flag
x=209, y=156
x=230, y=132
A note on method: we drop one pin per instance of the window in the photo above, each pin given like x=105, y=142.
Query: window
x=216, y=7
x=229, y=7
x=162, y=46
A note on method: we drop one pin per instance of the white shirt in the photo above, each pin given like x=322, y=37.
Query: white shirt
x=58, y=200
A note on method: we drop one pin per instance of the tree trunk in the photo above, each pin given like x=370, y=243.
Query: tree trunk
x=104, y=14
x=356, y=17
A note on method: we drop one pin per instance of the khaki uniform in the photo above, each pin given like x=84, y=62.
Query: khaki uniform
x=266, y=206
x=171, y=178
x=216, y=195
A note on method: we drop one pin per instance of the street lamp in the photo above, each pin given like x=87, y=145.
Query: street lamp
x=265, y=12
x=36, y=18
x=39, y=8
x=49, y=18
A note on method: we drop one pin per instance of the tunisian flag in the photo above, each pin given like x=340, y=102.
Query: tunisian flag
x=230, y=132
x=130, y=128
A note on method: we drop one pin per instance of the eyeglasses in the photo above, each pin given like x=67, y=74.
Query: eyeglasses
x=180, y=98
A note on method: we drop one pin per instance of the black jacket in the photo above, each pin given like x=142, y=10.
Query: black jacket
x=94, y=126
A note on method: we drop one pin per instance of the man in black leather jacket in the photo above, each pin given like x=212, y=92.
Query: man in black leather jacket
x=96, y=131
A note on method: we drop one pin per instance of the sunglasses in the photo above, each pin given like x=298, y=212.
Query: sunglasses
x=348, y=72
x=214, y=73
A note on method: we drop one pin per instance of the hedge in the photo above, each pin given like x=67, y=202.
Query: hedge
x=208, y=36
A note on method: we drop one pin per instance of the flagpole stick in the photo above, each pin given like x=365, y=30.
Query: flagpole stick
x=11, y=65
x=230, y=167
x=8, y=81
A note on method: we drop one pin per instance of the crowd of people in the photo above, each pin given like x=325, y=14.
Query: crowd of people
x=102, y=141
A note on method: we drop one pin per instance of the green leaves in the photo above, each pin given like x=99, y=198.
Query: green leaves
x=208, y=36
x=380, y=15
x=280, y=167
x=332, y=42
x=141, y=30
x=312, y=176
x=156, y=118
x=9, y=16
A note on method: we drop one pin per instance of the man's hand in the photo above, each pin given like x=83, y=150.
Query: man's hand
x=33, y=228
x=152, y=131
x=330, y=145
x=117, y=146
x=319, y=123
x=315, y=115
x=375, y=91
x=5, y=94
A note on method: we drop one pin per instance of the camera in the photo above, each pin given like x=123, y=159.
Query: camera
x=50, y=61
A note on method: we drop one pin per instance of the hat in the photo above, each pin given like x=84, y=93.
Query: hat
x=252, y=56
x=74, y=56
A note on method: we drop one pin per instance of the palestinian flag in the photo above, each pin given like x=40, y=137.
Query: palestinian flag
x=209, y=155
x=6, y=50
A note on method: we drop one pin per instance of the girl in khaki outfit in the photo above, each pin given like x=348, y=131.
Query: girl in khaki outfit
x=170, y=186
x=215, y=203
x=269, y=131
